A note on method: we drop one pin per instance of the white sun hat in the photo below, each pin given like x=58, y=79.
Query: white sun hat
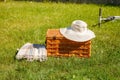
x=77, y=32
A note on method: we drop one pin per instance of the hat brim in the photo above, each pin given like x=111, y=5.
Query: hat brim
x=77, y=36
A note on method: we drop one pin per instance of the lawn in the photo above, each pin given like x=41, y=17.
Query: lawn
x=22, y=22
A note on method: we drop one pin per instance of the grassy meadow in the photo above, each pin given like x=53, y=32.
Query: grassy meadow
x=22, y=22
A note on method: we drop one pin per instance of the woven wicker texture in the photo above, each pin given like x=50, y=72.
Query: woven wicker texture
x=58, y=45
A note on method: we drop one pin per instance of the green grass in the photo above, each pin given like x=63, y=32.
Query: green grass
x=22, y=22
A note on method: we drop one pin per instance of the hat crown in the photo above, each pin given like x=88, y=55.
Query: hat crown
x=79, y=26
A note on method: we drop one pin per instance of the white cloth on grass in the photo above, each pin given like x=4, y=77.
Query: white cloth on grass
x=32, y=52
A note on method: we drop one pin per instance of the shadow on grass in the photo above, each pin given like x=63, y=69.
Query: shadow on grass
x=101, y=2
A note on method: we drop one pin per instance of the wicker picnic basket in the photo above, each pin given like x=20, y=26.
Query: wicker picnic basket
x=58, y=45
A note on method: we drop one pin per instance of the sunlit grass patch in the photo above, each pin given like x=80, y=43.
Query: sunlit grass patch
x=22, y=22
